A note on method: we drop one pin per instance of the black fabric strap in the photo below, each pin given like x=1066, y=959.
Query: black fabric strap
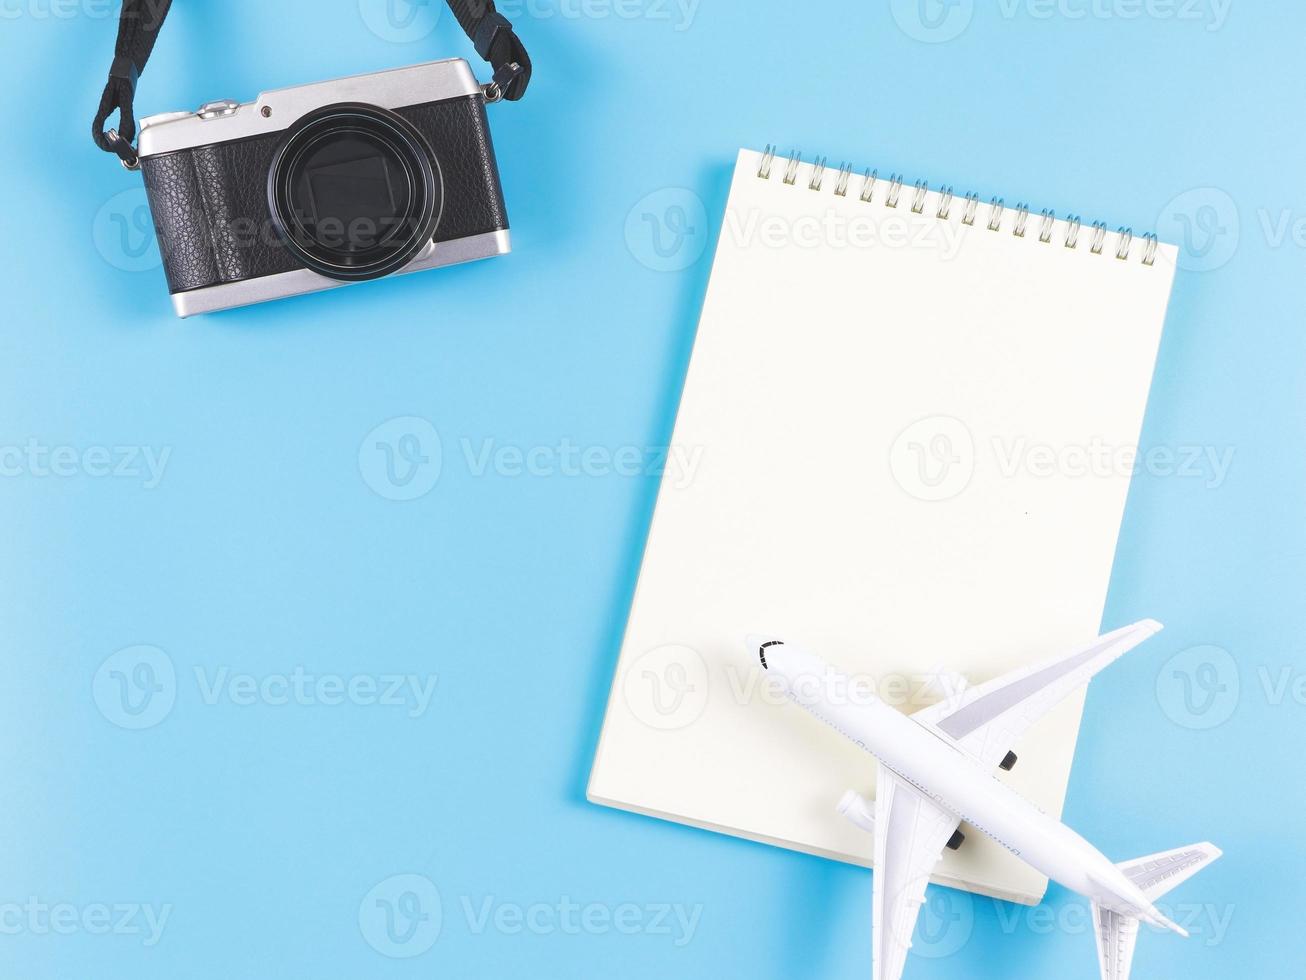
x=138, y=28
x=497, y=43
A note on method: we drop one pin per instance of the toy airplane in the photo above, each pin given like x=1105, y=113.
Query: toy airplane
x=936, y=770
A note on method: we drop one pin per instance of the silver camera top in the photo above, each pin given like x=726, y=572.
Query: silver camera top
x=224, y=120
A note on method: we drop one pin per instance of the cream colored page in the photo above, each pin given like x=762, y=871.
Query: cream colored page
x=912, y=441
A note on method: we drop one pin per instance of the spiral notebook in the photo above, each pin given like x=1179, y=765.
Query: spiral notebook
x=913, y=416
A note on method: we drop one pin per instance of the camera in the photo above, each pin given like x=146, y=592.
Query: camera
x=322, y=185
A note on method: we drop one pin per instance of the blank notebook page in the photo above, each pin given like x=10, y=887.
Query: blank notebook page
x=906, y=438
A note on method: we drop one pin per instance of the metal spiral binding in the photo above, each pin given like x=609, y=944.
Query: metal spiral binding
x=1126, y=241
x=818, y=174
x=791, y=172
x=868, y=186
x=1073, y=223
x=1022, y=218
x=972, y=205
x=1045, y=232
x=945, y=203
x=996, y=207
x=918, y=202
x=895, y=188
x=947, y=197
x=1150, y=244
x=1099, y=237
x=845, y=175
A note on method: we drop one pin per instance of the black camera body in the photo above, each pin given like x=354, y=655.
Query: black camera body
x=322, y=185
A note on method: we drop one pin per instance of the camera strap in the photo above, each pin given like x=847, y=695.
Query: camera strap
x=138, y=29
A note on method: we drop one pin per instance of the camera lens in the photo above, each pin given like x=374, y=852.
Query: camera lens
x=355, y=192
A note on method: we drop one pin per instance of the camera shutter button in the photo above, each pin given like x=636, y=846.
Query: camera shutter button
x=215, y=110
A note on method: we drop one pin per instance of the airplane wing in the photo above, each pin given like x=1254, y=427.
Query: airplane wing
x=910, y=835
x=987, y=720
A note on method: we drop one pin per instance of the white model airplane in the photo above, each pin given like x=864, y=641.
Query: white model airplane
x=936, y=770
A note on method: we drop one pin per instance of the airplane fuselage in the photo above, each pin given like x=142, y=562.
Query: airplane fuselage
x=945, y=774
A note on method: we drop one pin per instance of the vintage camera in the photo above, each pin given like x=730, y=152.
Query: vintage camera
x=322, y=185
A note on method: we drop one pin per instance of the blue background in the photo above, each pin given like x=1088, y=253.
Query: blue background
x=267, y=545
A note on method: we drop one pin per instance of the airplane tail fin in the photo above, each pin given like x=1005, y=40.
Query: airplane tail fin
x=1159, y=874
x=1155, y=875
x=1117, y=937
